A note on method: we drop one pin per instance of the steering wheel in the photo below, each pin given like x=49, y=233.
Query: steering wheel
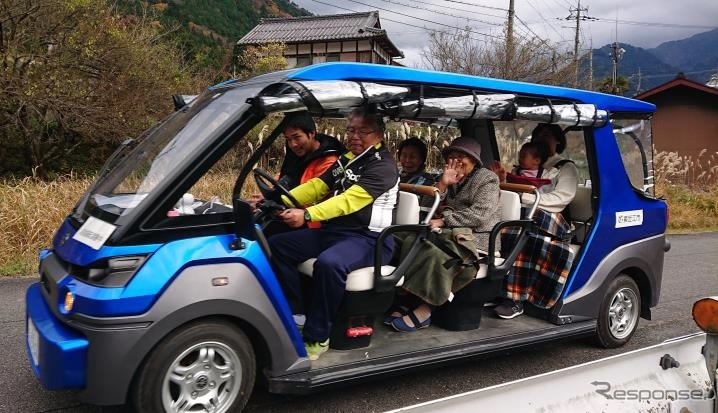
x=267, y=184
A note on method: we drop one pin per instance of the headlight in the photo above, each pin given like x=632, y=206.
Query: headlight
x=705, y=314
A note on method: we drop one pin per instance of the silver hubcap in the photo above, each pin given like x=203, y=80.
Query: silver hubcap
x=204, y=378
x=622, y=313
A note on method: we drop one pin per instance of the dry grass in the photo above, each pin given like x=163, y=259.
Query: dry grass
x=688, y=185
x=30, y=213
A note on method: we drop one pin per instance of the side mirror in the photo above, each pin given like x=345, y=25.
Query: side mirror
x=181, y=101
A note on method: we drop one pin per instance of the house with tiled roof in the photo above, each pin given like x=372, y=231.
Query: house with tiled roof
x=352, y=37
x=686, y=120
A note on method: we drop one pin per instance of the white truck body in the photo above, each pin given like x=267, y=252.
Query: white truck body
x=629, y=382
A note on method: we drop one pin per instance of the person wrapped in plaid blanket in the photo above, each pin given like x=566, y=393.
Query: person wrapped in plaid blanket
x=541, y=268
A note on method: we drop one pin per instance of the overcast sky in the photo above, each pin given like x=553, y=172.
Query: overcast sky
x=643, y=23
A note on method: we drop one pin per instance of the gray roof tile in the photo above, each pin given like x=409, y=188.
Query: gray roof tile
x=313, y=28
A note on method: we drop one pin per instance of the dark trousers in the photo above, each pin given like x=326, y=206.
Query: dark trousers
x=339, y=251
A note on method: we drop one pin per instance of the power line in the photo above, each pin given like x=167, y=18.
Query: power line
x=423, y=19
x=443, y=13
x=544, y=19
x=477, y=5
x=391, y=20
x=462, y=10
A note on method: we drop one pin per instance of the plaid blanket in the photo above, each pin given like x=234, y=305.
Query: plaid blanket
x=541, y=268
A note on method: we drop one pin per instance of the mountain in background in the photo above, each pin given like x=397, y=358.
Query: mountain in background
x=696, y=57
x=208, y=29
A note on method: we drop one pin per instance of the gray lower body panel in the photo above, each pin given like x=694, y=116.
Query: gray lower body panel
x=395, y=353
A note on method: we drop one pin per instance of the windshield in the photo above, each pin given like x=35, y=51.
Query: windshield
x=165, y=152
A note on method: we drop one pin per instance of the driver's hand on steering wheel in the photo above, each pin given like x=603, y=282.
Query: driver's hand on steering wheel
x=294, y=217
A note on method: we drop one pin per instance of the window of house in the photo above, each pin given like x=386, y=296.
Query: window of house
x=364, y=57
x=333, y=57
x=305, y=60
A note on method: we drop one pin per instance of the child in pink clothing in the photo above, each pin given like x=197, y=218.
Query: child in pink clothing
x=530, y=168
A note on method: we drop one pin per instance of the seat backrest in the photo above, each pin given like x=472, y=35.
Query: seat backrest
x=408, y=210
x=580, y=207
x=510, y=205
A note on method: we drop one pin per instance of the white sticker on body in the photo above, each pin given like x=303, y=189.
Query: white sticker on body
x=94, y=233
x=629, y=218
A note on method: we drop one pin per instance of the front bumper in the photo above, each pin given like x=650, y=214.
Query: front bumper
x=57, y=353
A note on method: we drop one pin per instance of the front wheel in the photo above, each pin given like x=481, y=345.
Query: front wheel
x=203, y=367
x=619, y=312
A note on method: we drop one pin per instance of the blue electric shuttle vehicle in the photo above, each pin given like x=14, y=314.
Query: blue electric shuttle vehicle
x=158, y=287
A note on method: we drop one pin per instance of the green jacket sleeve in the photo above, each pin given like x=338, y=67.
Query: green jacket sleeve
x=348, y=202
x=308, y=192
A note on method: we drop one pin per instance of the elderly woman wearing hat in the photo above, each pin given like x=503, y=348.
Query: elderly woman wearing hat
x=469, y=210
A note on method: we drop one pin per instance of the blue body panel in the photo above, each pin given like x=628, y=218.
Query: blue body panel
x=156, y=274
x=62, y=355
x=385, y=73
x=616, y=194
x=80, y=254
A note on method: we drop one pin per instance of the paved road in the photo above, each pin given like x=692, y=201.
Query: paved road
x=690, y=272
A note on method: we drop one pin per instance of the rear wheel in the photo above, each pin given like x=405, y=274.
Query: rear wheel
x=203, y=367
x=619, y=312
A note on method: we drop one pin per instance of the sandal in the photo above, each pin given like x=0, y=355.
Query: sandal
x=400, y=325
x=396, y=311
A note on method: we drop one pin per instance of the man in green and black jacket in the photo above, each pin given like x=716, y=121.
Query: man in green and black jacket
x=364, y=184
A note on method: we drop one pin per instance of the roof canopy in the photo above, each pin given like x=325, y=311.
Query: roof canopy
x=309, y=29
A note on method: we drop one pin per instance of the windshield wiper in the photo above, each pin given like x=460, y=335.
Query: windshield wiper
x=109, y=164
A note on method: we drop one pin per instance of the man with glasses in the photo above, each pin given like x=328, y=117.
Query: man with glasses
x=364, y=184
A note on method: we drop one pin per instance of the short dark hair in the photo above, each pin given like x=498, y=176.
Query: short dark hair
x=537, y=149
x=555, y=130
x=300, y=120
x=375, y=119
x=418, y=144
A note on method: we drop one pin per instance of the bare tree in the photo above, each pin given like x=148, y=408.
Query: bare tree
x=533, y=59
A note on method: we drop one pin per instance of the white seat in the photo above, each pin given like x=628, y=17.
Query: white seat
x=580, y=207
x=581, y=212
x=357, y=280
x=510, y=205
x=408, y=213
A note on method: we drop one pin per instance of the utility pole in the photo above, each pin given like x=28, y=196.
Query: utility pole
x=509, y=40
x=578, y=17
x=638, y=86
x=590, y=67
x=616, y=54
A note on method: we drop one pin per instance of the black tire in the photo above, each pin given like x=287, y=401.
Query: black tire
x=619, y=313
x=198, y=355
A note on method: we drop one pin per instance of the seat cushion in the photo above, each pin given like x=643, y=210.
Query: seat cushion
x=357, y=280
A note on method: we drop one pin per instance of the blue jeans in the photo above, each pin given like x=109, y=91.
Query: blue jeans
x=339, y=251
